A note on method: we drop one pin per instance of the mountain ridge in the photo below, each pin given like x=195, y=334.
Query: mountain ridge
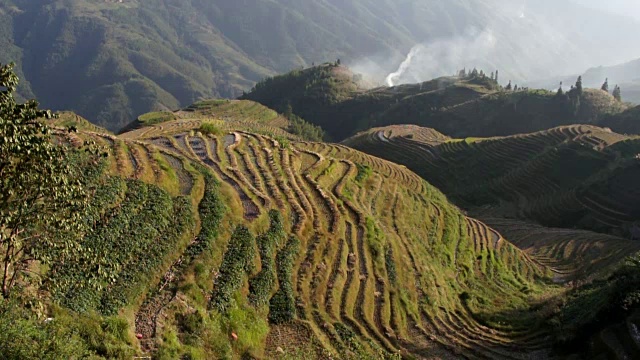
x=171, y=54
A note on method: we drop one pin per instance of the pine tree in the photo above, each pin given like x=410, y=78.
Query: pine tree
x=579, y=85
x=560, y=91
x=492, y=75
x=497, y=76
x=605, y=86
x=509, y=87
x=616, y=93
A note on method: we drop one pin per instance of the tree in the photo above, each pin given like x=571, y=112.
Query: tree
x=616, y=93
x=492, y=75
x=605, y=86
x=579, y=85
x=41, y=198
x=560, y=91
x=497, y=80
x=509, y=87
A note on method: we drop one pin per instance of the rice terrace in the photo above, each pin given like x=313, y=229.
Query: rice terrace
x=407, y=200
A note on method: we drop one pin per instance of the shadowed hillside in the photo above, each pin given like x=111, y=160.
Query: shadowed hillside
x=627, y=122
x=570, y=176
x=469, y=105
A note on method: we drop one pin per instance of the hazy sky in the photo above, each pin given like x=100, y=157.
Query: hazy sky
x=625, y=7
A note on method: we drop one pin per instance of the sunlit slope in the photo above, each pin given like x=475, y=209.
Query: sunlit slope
x=387, y=264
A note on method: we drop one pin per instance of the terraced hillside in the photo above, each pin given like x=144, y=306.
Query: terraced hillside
x=569, y=176
x=356, y=257
x=330, y=96
x=369, y=280
x=236, y=239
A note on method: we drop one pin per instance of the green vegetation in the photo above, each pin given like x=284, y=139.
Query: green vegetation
x=262, y=285
x=282, y=307
x=146, y=224
x=364, y=171
x=597, y=305
x=361, y=260
x=212, y=210
x=118, y=60
x=65, y=335
x=298, y=126
x=42, y=196
x=210, y=129
x=627, y=122
x=153, y=118
x=237, y=262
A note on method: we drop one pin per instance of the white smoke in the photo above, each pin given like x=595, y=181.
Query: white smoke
x=525, y=40
x=394, y=76
x=523, y=10
x=446, y=56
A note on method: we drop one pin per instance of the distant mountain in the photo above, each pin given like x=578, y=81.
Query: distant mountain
x=111, y=61
x=627, y=75
x=622, y=7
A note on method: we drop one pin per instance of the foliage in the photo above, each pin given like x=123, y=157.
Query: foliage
x=282, y=307
x=364, y=171
x=158, y=117
x=65, y=335
x=261, y=286
x=375, y=239
x=390, y=264
x=211, y=210
x=617, y=93
x=593, y=306
x=237, y=262
x=208, y=128
x=42, y=198
x=298, y=126
x=128, y=244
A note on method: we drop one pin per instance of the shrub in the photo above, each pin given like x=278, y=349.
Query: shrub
x=282, y=307
x=307, y=131
x=210, y=129
x=212, y=210
x=364, y=171
x=66, y=335
x=129, y=242
x=237, y=261
x=262, y=284
x=390, y=264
